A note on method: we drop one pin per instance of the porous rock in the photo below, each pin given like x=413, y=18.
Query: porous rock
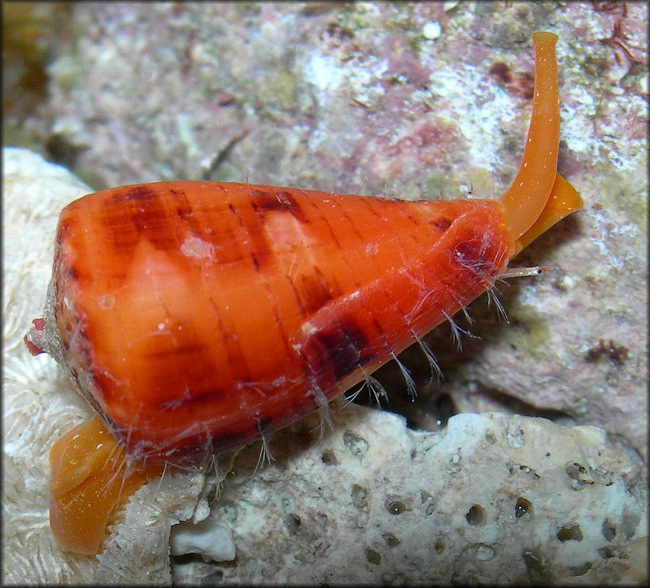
x=492, y=498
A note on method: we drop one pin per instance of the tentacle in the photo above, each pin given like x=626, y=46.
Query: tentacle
x=527, y=196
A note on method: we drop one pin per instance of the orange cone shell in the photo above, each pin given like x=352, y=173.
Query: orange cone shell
x=196, y=316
